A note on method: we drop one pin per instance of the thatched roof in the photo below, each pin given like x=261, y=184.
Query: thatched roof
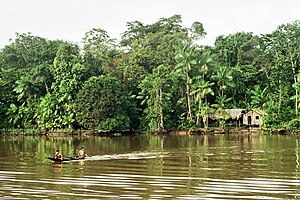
x=259, y=112
x=231, y=113
x=235, y=113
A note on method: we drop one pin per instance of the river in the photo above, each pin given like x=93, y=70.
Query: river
x=152, y=167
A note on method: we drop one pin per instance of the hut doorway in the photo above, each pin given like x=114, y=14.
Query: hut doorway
x=249, y=120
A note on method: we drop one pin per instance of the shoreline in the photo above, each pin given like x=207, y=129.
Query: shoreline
x=111, y=133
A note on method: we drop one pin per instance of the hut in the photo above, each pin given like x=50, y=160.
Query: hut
x=235, y=116
x=253, y=117
x=238, y=117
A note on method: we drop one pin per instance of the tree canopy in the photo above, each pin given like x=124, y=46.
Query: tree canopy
x=157, y=77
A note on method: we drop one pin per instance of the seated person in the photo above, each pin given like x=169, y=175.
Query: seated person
x=81, y=153
x=58, y=155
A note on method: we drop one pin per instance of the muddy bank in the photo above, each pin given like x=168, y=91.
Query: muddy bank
x=67, y=133
x=208, y=131
x=244, y=130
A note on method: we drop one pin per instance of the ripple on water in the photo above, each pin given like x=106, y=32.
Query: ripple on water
x=134, y=186
x=248, y=188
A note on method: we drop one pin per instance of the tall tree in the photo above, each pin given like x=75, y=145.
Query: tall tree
x=152, y=45
x=243, y=53
x=68, y=73
x=186, y=59
x=101, y=52
x=283, y=45
x=25, y=74
x=155, y=92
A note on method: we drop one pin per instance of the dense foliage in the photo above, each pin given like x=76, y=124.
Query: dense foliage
x=157, y=77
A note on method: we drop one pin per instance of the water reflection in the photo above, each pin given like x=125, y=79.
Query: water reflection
x=152, y=167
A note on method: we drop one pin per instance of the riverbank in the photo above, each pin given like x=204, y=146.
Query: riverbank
x=282, y=131
x=209, y=131
x=108, y=133
x=25, y=132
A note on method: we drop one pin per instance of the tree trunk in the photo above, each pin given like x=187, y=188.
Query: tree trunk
x=295, y=81
x=161, y=114
x=198, y=114
x=188, y=97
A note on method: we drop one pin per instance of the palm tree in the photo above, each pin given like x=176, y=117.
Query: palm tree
x=186, y=58
x=224, y=78
x=220, y=112
x=259, y=97
x=206, y=61
x=201, y=89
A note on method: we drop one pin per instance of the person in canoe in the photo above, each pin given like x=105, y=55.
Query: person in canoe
x=58, y=155
x=81, y=153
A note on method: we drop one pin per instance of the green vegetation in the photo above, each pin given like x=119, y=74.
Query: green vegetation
x=156, y=78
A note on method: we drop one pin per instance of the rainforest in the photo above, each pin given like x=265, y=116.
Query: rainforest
x=157, y=77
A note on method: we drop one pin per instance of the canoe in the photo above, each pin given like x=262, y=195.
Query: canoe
x=65, y=159
x=59, y=160
x=76, y=158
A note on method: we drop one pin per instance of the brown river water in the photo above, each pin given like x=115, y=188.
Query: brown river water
x=152, y=167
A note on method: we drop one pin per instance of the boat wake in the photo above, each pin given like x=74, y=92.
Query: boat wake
x=128, y=156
